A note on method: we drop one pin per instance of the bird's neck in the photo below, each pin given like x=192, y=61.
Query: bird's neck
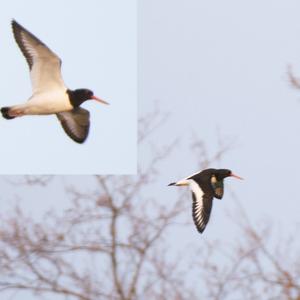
x=74, y=99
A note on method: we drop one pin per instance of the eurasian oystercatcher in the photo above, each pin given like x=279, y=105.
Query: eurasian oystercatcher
x=50, y=95
x=205, y=185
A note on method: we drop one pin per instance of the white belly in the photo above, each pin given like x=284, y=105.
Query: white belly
x=45, y=104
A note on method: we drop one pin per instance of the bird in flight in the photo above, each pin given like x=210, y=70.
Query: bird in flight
x=205, y=185
x=49, y=93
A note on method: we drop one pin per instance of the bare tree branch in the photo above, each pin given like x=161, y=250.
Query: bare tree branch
x=110, y=243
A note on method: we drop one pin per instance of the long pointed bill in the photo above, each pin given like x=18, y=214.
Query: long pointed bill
x=235, y=176
x=99, y=100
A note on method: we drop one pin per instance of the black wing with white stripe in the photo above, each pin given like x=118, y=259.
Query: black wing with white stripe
x=202, y=205
x=76, y=123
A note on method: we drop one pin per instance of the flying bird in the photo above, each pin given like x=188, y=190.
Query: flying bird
x=205, y=185
x=49, y=93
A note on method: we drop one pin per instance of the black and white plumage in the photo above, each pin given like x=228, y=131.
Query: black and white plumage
x=50, y=95
x=205, y=185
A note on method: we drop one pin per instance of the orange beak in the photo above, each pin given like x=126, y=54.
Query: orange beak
x=235, y=176
x=99, y=100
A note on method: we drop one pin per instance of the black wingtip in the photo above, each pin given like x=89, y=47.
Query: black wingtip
x=172, y=183
x=200, y=230
x=15, y=23
x=16, y=26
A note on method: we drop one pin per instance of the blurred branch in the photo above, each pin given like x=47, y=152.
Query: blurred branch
x=295, y=82
x=110, y=243
x=30, y=180
x=205, y=159
x=253, y=261
x=149, y=123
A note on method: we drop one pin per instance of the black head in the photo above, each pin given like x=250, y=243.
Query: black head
x=207, y=174
x=78, y=96
x=223, y=173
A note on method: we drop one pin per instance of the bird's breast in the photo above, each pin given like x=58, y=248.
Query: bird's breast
x=48, y=103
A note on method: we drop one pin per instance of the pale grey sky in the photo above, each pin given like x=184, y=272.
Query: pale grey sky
x=96, y=40
x=216, y=65
x=222, y=65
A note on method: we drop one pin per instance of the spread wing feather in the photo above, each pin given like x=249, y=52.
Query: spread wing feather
x=76, y=123
x=202, y=205
x=43, y=63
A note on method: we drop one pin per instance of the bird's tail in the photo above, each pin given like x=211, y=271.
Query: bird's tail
x=180, y=182
x=5, y=113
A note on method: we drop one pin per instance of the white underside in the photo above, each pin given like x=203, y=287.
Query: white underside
x=43, y=104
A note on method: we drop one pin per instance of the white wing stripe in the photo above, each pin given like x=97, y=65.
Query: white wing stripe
x=198, y=205
x=197, y=191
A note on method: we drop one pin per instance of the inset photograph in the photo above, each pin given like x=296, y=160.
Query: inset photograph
x=69, y=96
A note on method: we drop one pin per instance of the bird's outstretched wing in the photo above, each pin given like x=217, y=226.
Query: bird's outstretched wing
x=44, y=64
x=202, y=205
x=76, y=123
